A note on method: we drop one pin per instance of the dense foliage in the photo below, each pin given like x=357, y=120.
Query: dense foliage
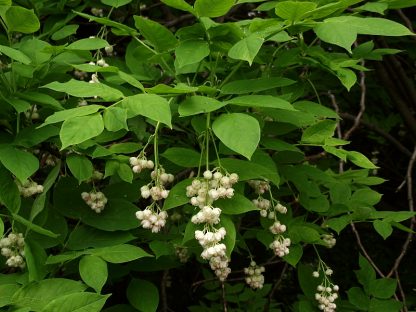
x=196, y=155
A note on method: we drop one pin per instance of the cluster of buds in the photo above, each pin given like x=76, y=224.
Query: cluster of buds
x=50, y=160
x=97, y=12
x=326, y=295
x=213, y=186
x=101, y=62
x=81, y=75
x=203, y=192
x=259, y=186
x=152, y=220
x=254, y=276
x=29, y=188
x=94, y=79
x=96, y=200
x=82, y=103
x=32, y=113
x=96, y=176
x=12, y=247
x=329, y=240
x=152, y=217
x=182, y=253
x=280, y=246
x=139, y=163
x=109, y=50
x=277, y=228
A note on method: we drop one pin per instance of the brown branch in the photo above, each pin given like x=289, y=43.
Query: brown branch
x=407, y=21
x=275, y=287
x=400, y=104
x=362, y=105
x=224, y=301
x=381, y=132
x=401, y=291
x=410, y=201
x=163, y=294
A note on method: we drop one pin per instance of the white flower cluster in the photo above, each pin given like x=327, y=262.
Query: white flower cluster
x=214, y=186
x=32, y=113
x=203, y=192
x=94, y=79
x=96, y=200
x=101, y=62
x=50, y=160
x=329, y=240
x=109, y=50
x=259, y=186
x=81, y=75
x=280, y=246
x=326, y=296
x=12, y=247
x=182, y=253
x=97, y=12
x=152, y=220
x=254, y=276
x=29, y=188
x=277, y=228
x=140, y=162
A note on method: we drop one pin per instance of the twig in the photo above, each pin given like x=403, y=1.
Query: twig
x=362, y=105
x=339, y=130
x=275, y=287
x=381, y=132
x=407, y=21
x=165, y=307
x=402, y=294
x=224, y=301
x=411, y=208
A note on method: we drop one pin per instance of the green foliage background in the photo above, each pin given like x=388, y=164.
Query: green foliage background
x=316, y=97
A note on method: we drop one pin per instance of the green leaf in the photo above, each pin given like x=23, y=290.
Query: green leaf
x=383, y=228
x=21, y=164
x=179, y=4
x=229, y=239
x=84, y=237
x=294, y=11
x=294, y=256
x=15, y=54
x=77, y=302
x=116, y=3
x=143, y=295
x=65, y=32
x=377, y=305
x=374, y=7
x=34, y=227
x=383, y=288
x=80, y=166
x=149, y=105
x=7, y=291
x=183, y=157
x=19, y=19
x=319, y=132
x=79, y=129
x=1, y=227
x=88, y=44
x=360, y=160
x=161, y=248
x=347, y=77
x=41, y=98
x=6, y=2
x=343, y=30
x=239, y=132
x=37, y=295
x=357, y=297
x=199, y=104
x=190, y=52
x=120, y=253
x=93, y=271
x=115, y=118
x=35, y=260
x=255, y=85
x=158, y=35
x=366, y=197
x=9, y=192
x=366, y=273
x=84, y=89
x=261, y=101
x=177, y=195
x=246, y=49
x=70, y=113
x=212, y=8
x=119, y=214
x=238, y=204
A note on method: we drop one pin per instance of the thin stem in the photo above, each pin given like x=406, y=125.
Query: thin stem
x=156, y=152
x=207, y=141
